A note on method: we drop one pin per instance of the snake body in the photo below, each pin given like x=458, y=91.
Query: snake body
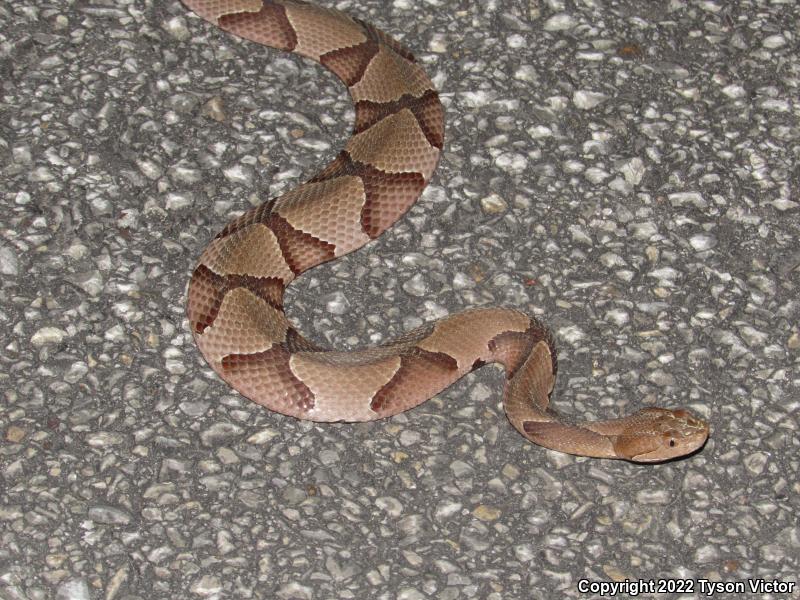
x=235, y=295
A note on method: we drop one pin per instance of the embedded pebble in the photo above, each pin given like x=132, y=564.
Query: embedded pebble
x=206, y=585
x=176, y=26
x=445, y=510
x=702, y=241
x=661, y=378
x=756, y=462
x=773, y=41
x=74, y=589
x=706, y=554
x=618, y=316
x=328, y=457
x=9, y=265
x=150, y=169
x=657, y=496
x=215, y=108
x=494, y=204
x=219, y=433
x=487, y=513
x=416, y=286
x=585, y=99
x=178, y=201
x=15, y=434
x=390, y=506
x=408, y=593
x=633, y=171
x=295, y=591
x=512, y=162
x=438, y=43
x=109, y=515
x=409, y=438
x=48, y=335
x=103, y=439
x=734, y=91
x=336, y=303
x=241, y=174
x=665, y=273
x=262, y=437
x=693, y=198
x=560, y=22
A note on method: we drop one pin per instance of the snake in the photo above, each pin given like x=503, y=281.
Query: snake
x=235, y=294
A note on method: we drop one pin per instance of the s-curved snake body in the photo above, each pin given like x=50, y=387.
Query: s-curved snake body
x=235, y=296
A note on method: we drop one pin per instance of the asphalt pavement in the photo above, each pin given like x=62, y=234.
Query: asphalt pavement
x=626, y=171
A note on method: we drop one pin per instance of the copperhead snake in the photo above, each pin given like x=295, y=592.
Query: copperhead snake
x=235, y=295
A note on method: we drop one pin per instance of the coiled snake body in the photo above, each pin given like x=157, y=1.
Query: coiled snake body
x=235, y=296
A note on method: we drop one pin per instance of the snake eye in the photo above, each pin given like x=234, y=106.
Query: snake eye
x=671, y=443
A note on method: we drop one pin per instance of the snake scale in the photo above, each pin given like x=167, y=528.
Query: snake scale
x=235, y=295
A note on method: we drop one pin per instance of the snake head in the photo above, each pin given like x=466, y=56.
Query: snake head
x=658, y=434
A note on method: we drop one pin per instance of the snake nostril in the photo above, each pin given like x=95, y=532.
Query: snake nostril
x=672, y=443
